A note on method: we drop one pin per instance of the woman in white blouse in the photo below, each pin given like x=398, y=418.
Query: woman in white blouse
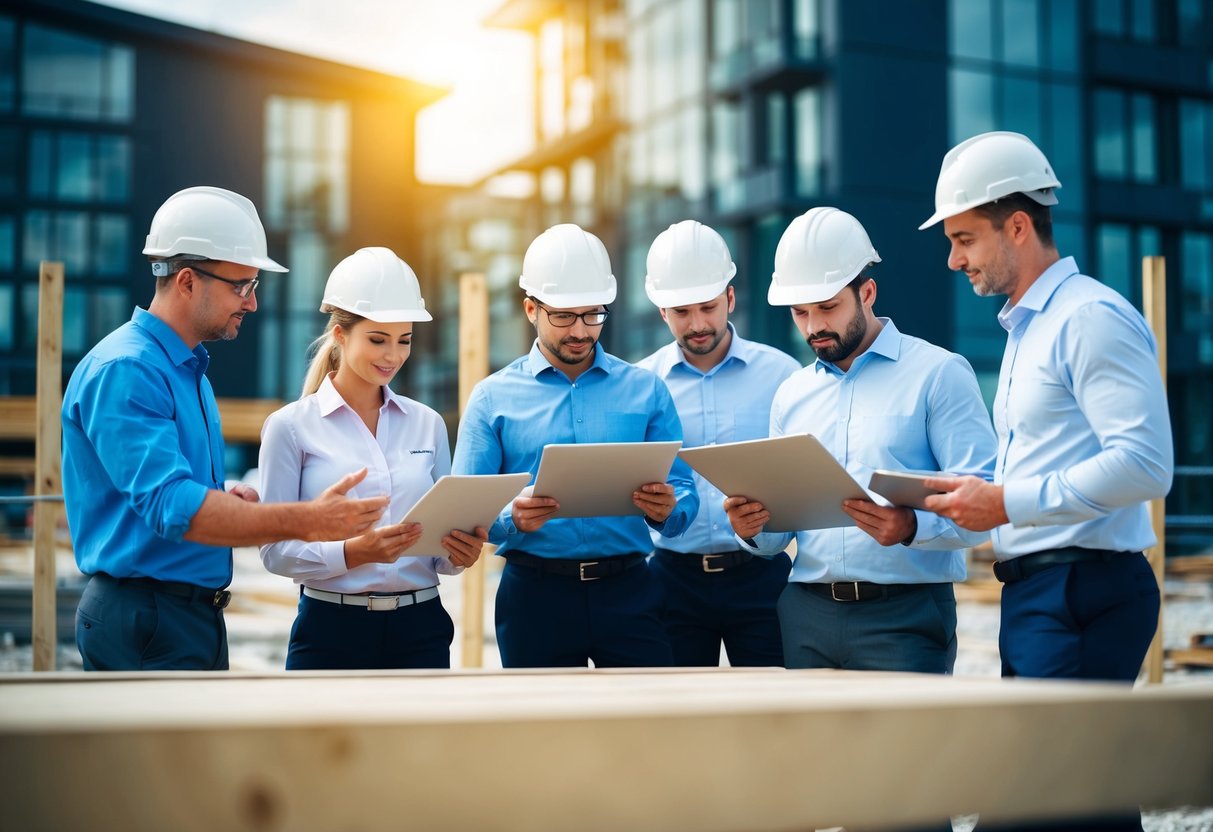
x=364, y=603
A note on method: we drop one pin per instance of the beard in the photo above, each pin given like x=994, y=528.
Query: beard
x=997, y=277
x=716, y=337
x=843, y=345
x=558, y=349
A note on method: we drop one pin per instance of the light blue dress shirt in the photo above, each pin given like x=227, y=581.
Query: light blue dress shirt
x=514, y=412
x=729, y=403
x=904, y=405
x=1084, y=437
x=141, y=447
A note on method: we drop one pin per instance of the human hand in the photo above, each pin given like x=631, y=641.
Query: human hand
x=335, y=516
x=969, y=502
x=747, y=517
x=382, y=545
x=465, y=548
x=245, y=492
x=887, y=525
x=530, y=513
x=656, y=500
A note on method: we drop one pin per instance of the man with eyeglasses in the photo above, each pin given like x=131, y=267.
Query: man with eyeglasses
x=574, y=590
x=143, y=472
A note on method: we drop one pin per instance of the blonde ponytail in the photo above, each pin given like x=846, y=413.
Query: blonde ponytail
x=326, y=352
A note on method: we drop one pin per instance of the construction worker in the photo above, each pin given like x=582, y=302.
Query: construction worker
x=877, y=595
x=364, y=603
x=574, y=590
x=1084, y=433
x=143, y=475
x=716, y=591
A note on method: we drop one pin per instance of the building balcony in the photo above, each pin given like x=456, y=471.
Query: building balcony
x=766, y=65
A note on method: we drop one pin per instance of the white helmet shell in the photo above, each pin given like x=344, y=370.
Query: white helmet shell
x=210, y=223
x=821, y=251
x=375, y=284
x=567, y=267
x=687, y=263
x=988, y=167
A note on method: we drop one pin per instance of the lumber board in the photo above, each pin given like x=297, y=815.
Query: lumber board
x=711, y=750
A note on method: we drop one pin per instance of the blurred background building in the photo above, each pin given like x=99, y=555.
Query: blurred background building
x=739, y=113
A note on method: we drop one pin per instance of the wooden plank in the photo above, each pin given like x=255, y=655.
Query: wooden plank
x=473, y=366
x=713, y=750
x=18, y=416
x=49, y=400
x=1154, y=308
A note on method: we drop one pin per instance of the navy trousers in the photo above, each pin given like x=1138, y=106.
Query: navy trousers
x=327, y=636
x=913, y=629
x=549, y=620
x=734, y=607
x=131, y=626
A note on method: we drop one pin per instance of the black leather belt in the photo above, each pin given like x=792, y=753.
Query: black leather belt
x=217, y=598
x=1025, y=566
x=717, y=562
x=863, y=590
x=584, y=570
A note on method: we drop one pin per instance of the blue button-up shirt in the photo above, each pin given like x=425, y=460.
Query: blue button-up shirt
x=514, y=412
x=904, y=405
x=1084, y=437
x=141, y=447
x=731, y=402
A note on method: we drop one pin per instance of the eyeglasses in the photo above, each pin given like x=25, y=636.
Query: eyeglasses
x=244, y=288
x=564, y=320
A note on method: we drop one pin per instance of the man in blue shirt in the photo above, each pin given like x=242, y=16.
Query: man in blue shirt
x=877, y=595
x=574, y=590
x=143, y=476
x=716, y=592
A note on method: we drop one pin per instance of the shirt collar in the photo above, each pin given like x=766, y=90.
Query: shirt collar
x=177, y=350
x=538, y=362
x=887, y=345
x=1038, y=295
x=330, y=400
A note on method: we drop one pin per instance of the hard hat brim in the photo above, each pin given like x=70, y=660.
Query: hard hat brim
x=381, y=316
x=603, y=297
x=795, y=295
x=670, y=298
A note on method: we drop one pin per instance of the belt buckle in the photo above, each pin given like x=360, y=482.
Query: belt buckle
x=222, y=599
x=834, y=590
x=581, y=570
x=382, y=603
x=707, y=568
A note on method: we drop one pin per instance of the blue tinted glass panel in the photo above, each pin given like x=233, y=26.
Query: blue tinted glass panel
x=979, y=338
x=1196, y=257
x=1195, y=144
x=1021, y=32
x=1110, y=144
x=1145, y=165
x=1109, y=17
x=1021, y=104
x=112, y=246
x=41, y=162
x=1064, y=40
x=113, y=168
x=807, y=141
x=71, y=244
x=1143, y=24
x=10, y=155
x=6, y=317
x=970, y=34
x=777, y=125
x=1115, y=256
x=75, y=321
x=74, y=175
x=8, y=244
x=972, y=97
x=1192, y=22
x=1065, y=149
x=108, y=309
x=806, y=28
x=66, y=75
x=1070, y=241
x=8, y=64
x=1149, y=241
x=36, y=242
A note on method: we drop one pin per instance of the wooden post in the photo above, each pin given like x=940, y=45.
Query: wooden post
x=473, y=366
x=47, y=480
x=1154, y=306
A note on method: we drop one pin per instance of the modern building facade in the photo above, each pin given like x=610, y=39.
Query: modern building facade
x=745, y=113
x=104, y=114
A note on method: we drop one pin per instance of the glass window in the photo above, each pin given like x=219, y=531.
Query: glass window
x=970, y=33
x=75, y=320
x=109, y=308
x=1021, y=102
x=666, y=149
x=74, y=169
x=692, y=63
x=1109, y=17
x=726, y=27
x=307, y=164
x=1192, y=22
x=8, y=244
x=1110, y=140
x=10, y=161
x=551, y=78
x=1064, y=40
x=693, y=153
x=111, y=248
x=640, y=73
x=972, y=108
x=62, y=236
x=1145, y=167
x=1196, y=144
x=70, y=76
x=8, y=64
x=1115, y=257
x=1196, y=257
x=1021, y=32
x=79, y=167
x=807, y=141
x=1066, y=143
x=581, y=181
x=7, y=324
x=777, y=126
x=551, y=185
x=806, y=28
x=113, y=168
x=726, y=142
x=1144, y=24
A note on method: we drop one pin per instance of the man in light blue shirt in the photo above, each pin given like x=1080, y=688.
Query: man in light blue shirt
x=143, y=477
x=574, y=590
x=716, y=592
x=1081, y=415
x=877, y=595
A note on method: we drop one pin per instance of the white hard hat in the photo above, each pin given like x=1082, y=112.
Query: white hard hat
x=377, y=285
x=988, y=167
x=688, y=263
x=210, y=223
x=567, y=267
x=821, y=251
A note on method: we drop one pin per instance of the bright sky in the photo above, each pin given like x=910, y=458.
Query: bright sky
x=482, y=123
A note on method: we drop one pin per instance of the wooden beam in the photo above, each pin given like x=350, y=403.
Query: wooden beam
x=714, y=750
x=47, y=477
x=1154, y=307
x=473, y=366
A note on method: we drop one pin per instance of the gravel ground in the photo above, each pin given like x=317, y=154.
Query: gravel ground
x=263, y=608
